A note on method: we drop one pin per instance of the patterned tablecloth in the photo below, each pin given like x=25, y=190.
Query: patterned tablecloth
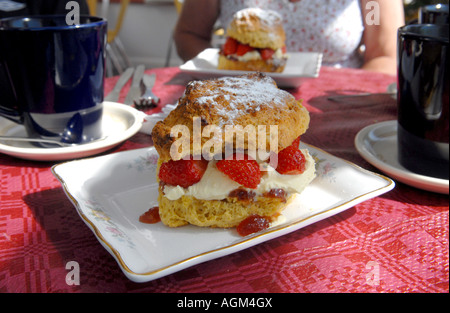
x=397, y=242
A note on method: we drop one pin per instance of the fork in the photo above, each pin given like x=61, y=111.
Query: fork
x=148, y=99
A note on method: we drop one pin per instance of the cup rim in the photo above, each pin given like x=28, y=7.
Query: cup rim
x=93, y=21
x=438, y=7
x=408, y=30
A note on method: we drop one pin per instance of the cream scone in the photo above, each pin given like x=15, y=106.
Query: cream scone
x=255, y=42
x=211, y=177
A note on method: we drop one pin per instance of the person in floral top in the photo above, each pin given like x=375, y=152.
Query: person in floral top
x=349, y=33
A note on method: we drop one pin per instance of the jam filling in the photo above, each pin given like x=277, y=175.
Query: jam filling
x=276, y=193
x=246, y=195
x=252, y=224
x=151, y=216
x=242, y=194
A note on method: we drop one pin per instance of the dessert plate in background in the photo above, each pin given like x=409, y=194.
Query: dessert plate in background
x=300, y=66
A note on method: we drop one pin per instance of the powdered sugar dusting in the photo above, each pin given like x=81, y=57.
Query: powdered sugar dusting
x=267, y=17
x=243, y=94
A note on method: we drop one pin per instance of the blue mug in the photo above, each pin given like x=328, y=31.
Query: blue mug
x=53, y=76
x=423, y=99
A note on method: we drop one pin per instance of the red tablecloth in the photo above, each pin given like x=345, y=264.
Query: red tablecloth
x=397, y=242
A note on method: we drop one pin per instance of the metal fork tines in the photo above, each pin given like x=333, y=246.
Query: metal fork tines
x=148, y=99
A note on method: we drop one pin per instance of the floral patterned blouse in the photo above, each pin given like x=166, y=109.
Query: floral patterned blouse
x=333, y=27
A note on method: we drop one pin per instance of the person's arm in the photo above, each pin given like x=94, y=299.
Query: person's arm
x=194, y=27
x=380, y=39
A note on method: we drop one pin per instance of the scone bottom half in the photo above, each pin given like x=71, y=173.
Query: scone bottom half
x=238, y=187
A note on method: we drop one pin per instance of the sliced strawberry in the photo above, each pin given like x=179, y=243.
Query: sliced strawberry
x=241, y=169
x=291, y=160
x=230, y=46
x=182, y=173
x=266, y=54
x=243, y=49
x=296, y=142
x=284, y=49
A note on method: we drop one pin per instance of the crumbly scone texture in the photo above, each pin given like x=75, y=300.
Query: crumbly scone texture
x=258, y=28
x=212, y=109
x=260, y=65
x=225, y=213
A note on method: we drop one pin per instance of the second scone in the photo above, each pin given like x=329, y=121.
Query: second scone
x=255, y=42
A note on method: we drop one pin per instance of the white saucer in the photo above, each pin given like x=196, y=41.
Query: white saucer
x=119, y=122
x=377, y=144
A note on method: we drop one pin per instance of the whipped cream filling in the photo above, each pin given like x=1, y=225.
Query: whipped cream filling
x=255, y=55
x=215, y=185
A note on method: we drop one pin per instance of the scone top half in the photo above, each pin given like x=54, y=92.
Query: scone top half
x=230, y=103
x=258, y=28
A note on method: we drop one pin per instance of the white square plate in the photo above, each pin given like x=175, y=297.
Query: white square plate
x=110, y=193
x=299, y=67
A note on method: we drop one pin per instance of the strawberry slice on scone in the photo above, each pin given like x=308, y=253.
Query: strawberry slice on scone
x=242, y=169
x=291, y=160
x=182, y=173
